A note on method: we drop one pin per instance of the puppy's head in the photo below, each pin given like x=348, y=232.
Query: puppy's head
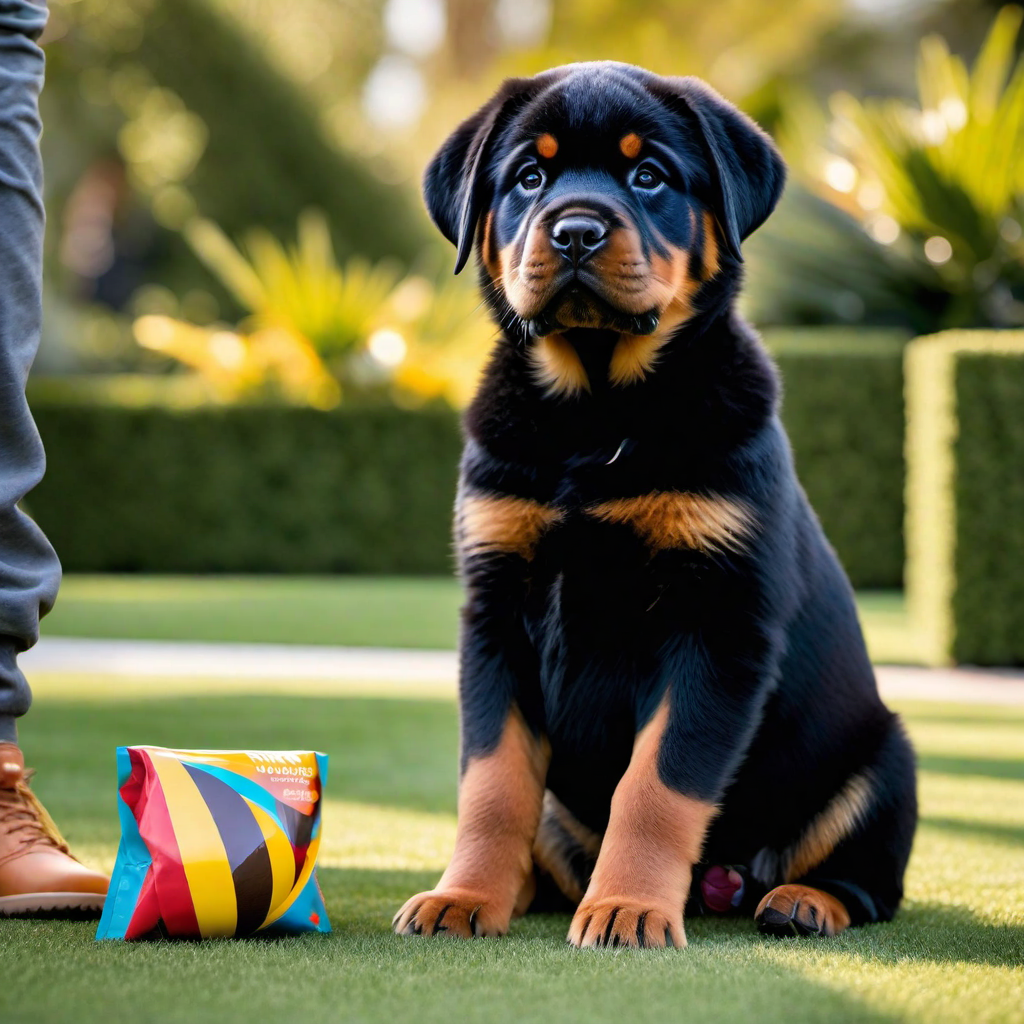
x=602, y=196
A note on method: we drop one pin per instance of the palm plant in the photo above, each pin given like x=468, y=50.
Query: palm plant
x=935, y=188
x=315, y=326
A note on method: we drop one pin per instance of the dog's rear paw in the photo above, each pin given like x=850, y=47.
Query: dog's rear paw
x=800, y=910
x=458, y=914
x=620, y=922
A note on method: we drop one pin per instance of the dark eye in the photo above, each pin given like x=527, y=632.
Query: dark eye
x=647, y=177
x=531, y=179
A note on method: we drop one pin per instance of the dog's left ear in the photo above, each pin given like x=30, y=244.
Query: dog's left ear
x=744, y=159
x=454, y=185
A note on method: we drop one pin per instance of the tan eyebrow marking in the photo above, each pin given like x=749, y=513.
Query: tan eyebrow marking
x=547, y=145
x=630, y=145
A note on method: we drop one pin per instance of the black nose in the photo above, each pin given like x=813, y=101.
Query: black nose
x=578, y=236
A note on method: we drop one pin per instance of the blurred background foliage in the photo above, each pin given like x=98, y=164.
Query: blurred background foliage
x=923, y=198
x=232, y=184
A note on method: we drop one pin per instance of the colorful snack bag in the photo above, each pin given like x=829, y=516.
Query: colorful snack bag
x=216, y=843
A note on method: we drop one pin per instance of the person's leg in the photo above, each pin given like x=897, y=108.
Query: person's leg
x=29, y=570
x=37, y=871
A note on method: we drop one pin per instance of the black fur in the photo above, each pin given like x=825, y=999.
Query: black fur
x=774, y=705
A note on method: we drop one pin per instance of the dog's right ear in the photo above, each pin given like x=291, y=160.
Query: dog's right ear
x=454, y=186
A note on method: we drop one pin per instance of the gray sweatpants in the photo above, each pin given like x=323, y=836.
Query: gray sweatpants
x=29, y=570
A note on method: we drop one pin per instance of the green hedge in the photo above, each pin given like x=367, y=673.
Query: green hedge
x=143, y=476
x=247, y=489
x=843, y=410
x=965, y=495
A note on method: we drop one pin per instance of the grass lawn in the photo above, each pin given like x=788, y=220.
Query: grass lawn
x=953, y=954
x=362, y=611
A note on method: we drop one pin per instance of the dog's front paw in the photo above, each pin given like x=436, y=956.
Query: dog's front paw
x=455, y=912
x=617, y=921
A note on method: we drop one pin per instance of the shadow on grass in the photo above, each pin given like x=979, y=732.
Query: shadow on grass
x=1001, y=718
x=985, y=767
x=363, y=902
x=987, y=830
x=729, y=974
x=940, y=933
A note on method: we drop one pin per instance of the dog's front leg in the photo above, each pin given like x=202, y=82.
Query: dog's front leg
x=642, y=877
x=500, y=797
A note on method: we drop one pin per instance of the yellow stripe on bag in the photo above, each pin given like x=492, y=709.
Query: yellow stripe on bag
x=282, y=857
x=202, y=852
x=300, y=884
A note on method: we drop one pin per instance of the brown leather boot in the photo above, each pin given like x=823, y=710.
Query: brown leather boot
x=37, y=872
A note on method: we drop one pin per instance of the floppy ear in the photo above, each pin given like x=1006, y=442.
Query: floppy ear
x=454, y=187
x=750, y=173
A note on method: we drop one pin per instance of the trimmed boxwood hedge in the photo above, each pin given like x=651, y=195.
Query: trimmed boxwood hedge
x=843, y=410
x=247, y=489
x=965, y=495
x=142, y=476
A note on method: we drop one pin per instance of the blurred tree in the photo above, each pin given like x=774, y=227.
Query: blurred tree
x=204, y=120
x=267, y=158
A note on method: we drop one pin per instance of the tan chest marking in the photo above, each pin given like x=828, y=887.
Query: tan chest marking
x=557, y=367
x=634, y=357
x=490, y=523
x=844, y=812
x=678, y=519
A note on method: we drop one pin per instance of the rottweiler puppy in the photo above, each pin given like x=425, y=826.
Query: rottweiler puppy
x=665, y=694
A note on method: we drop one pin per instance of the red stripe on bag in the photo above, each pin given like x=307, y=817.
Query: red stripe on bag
x=173, y=894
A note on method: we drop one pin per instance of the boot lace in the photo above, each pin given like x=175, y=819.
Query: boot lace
x=25, y=821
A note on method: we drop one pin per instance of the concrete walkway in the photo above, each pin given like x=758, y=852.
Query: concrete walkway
x=177, y=659
x=170, y=658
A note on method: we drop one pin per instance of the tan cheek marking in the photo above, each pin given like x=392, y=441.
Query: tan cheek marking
x=630, y=145
x=845, y=811
x=547, y=146
x=678, y=519
x=625, y=272
x=528, y=265
x=711, y=264
x=654, y=838
x=621, y=250
x=489, y=523
x=500, y=797
x=562, y=842
x=797, y=901
x=557, y=367
x=492, y=258
x=634, y=356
